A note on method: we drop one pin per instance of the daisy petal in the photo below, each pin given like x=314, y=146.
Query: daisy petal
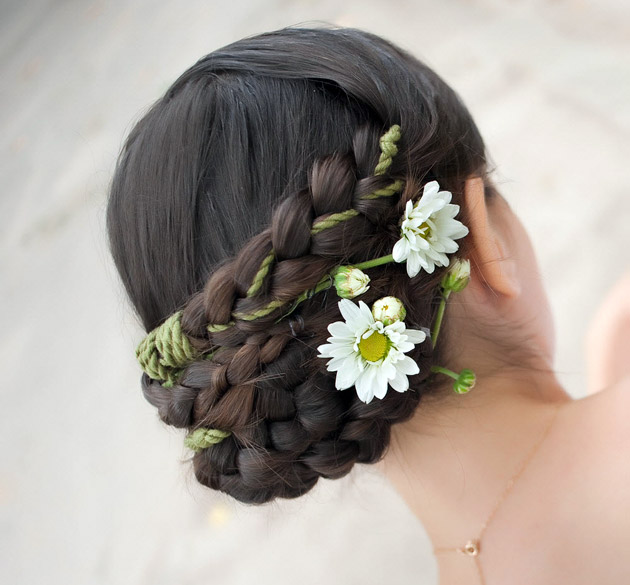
x=415, y=335
x=340, y=329
x=401, y=250
x=407, y=366
x=413, y=265
x=380, y=385
x=347, y=376
x=365, y=385
x=341, y=351
x=399, y=382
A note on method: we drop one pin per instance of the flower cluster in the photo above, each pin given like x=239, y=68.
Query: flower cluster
x=368, y=352
x=367, y=349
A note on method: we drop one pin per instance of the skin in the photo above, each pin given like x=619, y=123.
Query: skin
x=567, y=519
x=608, y=340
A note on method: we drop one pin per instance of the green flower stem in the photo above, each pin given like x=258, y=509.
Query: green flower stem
x=445, y=371
x=376, y=262
x=438, y=319
x=327, y=280
x=325, y=283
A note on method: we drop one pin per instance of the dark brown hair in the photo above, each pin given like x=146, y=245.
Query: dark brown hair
x=244, y=152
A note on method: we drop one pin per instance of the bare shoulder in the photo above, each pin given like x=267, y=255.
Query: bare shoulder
x=573, y=523
x=598, y=424
x=608, y=410
x=596, y=457
x=587, y=502
x=620, y=390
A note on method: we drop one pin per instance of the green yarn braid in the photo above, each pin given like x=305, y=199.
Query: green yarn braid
x=388, y=149
x=332, y=220
x=387, y=191
x=164, y=351
x=268, y=308
x=216, y=328
x=203, y=438
x=264, y=269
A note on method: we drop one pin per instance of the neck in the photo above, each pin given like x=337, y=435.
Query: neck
x=452, y=460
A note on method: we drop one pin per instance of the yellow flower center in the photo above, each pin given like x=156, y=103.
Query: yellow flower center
x=374, y=347
x=425, y=230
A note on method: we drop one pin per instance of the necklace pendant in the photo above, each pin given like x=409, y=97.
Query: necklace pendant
x=471, y=548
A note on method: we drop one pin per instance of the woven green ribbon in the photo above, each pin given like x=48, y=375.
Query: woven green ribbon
x=164, y=351
x=204, y=438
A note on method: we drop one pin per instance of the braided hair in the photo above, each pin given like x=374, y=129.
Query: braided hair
x=259, y=172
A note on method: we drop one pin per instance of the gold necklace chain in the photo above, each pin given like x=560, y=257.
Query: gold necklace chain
x=473, y=547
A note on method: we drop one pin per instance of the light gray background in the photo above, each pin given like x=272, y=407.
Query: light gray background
x=92, y=490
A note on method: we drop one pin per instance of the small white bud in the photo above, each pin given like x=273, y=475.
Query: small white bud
x=350, y=282
x=457, y=277
x=388, y=310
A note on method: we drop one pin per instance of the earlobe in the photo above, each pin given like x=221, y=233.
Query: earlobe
x=490, y=254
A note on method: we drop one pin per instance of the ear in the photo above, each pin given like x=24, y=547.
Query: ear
x=490, y=247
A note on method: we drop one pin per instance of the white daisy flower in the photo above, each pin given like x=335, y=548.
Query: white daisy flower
x=369, y=355
x=428, y=231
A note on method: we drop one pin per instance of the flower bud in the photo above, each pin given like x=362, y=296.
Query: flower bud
x=457, y=277
x=388, y=310
x=465, y=382
x=350, y=282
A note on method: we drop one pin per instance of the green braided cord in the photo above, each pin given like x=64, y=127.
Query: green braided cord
x=269, y=308
x=388, y=191
x=165, y=350
x=172, y=378
x=261, y=274
x=332, y=220
x=204, y=438
x=388, y=149
x=217, y=327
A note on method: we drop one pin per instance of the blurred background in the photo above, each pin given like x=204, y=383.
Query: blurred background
x=93, y=489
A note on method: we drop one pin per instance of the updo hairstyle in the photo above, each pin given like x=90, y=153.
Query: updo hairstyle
x=246, y=151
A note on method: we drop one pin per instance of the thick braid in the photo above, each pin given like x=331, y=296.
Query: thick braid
x=174, y=352
x=288, y=423
x=337, y=218
x=264, y=416
x=388, y=150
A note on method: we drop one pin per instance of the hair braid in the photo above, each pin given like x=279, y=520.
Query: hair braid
x=166, y=350
x=233, y=392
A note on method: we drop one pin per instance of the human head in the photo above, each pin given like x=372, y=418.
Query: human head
x=242, y=154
